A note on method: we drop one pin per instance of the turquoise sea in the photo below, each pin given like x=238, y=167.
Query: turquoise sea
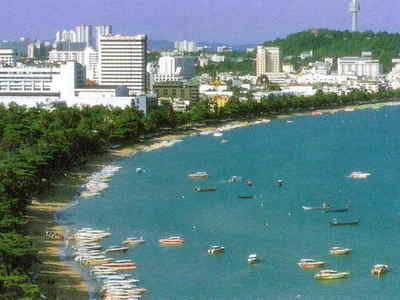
x=313, y=155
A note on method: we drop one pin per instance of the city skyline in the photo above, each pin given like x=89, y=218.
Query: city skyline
x=227, y=21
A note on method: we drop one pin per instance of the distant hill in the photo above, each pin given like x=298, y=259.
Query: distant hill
x=332, y=43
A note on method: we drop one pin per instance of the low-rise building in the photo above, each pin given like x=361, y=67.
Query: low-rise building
x=8, y=57
x=177, y=89
x=359, y=66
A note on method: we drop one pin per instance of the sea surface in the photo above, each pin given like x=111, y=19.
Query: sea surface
x=314, y=156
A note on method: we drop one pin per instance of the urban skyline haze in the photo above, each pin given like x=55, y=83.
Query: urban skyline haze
x=229, y=21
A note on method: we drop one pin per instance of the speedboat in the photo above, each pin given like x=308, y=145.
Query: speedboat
x=116, y=249
x=216, y=249
x=339, y=251
x=279, y=183
x=217, y=134
x=359, y=175
x=234, y=179
x=198, y=175
x=335, y=222
x=325, y=206
x=330, y=274
x=172, y=241
x=252, y=258
x=224, y=141
x=132, y=241
x=197, y=189
x=139, y=170
x=307, y=263
x=379, y=269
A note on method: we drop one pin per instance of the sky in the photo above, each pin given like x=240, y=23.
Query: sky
x=228, y=21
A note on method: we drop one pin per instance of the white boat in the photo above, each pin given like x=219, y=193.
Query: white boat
x=198, y=175
x=218, y=134
x=216, y=249
x=330, y=274
x=359, y=175
x=132, y=241
x=339, y=251
x=252, y=259
x=307, y=263
x=139, y=170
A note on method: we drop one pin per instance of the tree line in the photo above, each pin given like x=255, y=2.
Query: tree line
x=38, y=145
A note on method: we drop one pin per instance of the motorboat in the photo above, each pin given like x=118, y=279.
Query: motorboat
x=139, y=170
x=330, y=274
x=280, y=183
x=172, y=241
x=216, y=249
x=248, y=183
x=336, y=210
x=116, y=249
x=307, y=263
x=197, y=189
x=359, y=175
x=246, y=197
x=339, y=251
x=132, y=241
x=224, y=141
x=379, y=269
x=234, y=179
x=324, y=206
x=218, y=134
x=335, y=222
x=252, y=259
x=198, y=175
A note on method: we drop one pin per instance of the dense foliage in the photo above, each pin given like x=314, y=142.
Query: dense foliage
x=36, y=145
x=240, y=63
x=332, y=43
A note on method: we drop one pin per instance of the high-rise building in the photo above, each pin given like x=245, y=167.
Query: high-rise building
x=268, y=60
x=66, y=36
x=186, y=46
x=354, y=8
x=8, y=57
x=122, y=61
x=100, y=31
x=84, y=34
x=173, y=68
x=359, y=66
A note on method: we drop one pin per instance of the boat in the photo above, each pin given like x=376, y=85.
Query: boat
x=248, y=182
x=139, y=170
x=197, y=189
x=279, y=183
x=339, y=251
x=172, y=241
x=198, y=175
x=116, y=249
x=234, y=179
x=224, y=141
x=246, y=196
x=252, y=259
x=359, y=175
x=379, y=269
x=335, y=222
x=216, y=249
x=330, y=274
x=324, y=206
x=336, y=210
x=133, y=241
x=307, y=263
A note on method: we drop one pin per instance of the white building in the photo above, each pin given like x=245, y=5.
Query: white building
x=100, y=31
x=51, y=80
x=84, y=34
x=8, y=57
x=88, y=58
x=66, y=36
x=217, y=58
x=268, y=60
x=224, y=49
x=174, y=68
x=122, y=61
x=186, y=46
x=359, y=66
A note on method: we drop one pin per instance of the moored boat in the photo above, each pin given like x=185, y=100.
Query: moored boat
x=198, y=175
x=335, y=222
x=197, y=189
x=246, y=196
x=216, y=249
x=336, y=210
x=339, y=251
x=116, y=249
x=132, y=241
x=307, y=263
x=324, y=206
x=252, y=259
x=379, y=269
x=330, y=274
x=172, y=241
x=224, y=141
x=248, y=183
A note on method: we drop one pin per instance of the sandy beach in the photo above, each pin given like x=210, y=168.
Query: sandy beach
x=59, y=280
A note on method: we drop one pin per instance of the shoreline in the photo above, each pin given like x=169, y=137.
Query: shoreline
x=59, y=279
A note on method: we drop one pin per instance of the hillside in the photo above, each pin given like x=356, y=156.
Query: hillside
x=331, y=43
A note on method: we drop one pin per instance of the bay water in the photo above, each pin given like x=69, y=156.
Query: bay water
x=313, y=155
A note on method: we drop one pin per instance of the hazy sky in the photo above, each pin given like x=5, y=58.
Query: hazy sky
x=233, y=21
